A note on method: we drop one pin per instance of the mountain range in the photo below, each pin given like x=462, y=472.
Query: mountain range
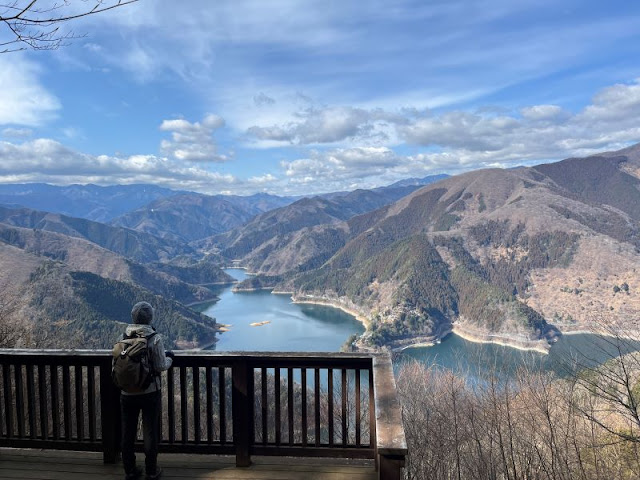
x=509, y=255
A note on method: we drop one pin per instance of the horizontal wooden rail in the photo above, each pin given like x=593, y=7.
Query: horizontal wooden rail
x=242, y=403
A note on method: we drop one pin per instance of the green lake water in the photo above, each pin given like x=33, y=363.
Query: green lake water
x=316, y=328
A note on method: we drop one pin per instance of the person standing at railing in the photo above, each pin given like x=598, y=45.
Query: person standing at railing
x=146, y=401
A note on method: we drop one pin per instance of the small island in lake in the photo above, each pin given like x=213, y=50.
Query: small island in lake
x=259, y=324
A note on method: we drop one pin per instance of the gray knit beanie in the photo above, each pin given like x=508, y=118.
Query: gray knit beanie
x=142, y=313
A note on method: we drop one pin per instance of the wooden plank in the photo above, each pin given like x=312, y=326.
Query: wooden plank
x=196, y=403
x=8, y=410
x=66, y=401
x=209, y=390
x=31, y=401
x=330, y=405
x=19, y=396
x=55, y=402
x=182, y=460
x=372, y=411
x=2, y=408
x=298, y=450
x=358, y=419
x=389, y=430
x=303, y=381
x=91, y=389
x=171, y=407
x=345, y=433
x=184, y=413
x=42, y=395
x=61, y=444
x=161, y=409
x=290, y=404
x=222, y=396
x=316, y=405
x=264, y=406
x=278, y=419
x=79, y=403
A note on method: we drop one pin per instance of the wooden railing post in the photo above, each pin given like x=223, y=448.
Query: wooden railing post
x=390, y=467
x=242, y=410
x=391, y=448
x=110, y=414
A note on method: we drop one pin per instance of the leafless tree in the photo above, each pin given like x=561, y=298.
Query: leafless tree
x=611, y=398
x=9, y=331
x=36, y=24
x=529, y=426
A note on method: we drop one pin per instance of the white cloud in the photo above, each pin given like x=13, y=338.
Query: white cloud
x=23, y=99
x=540, y=133
x=544, y=112
x=337, y=169
x=265, y=179
x=45, y=160
x=331, y=125
x=192, y=142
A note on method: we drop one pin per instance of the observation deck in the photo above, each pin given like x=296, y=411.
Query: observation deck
x=244, y=415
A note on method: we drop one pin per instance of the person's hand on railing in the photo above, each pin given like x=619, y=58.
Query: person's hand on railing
x=169, y=354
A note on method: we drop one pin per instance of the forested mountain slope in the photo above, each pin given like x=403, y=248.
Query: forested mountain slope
x=301, y=235
x=81, y=255
x=47, y=303
x=139, y=246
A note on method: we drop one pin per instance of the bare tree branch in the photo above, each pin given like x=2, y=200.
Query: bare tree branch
x=27, y=25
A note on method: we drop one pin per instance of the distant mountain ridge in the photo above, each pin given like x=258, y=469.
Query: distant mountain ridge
x=192, y=216
x=257, y=243
x=176, y=214
x=92, y=202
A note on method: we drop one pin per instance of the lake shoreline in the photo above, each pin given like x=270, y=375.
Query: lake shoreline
x=357, y=315
x=540, y=346
x=431, y=340
x=622, y=334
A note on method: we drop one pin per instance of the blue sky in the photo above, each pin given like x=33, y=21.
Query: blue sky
x=293, y=97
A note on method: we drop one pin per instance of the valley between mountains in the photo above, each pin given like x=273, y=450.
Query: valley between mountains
x=514, y=256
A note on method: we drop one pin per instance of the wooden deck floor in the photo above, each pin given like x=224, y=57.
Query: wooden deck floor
x=61, y=465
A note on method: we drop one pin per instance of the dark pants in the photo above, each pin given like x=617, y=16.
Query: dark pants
x=131, y=405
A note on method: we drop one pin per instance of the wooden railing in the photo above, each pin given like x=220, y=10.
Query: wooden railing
x=243, y=404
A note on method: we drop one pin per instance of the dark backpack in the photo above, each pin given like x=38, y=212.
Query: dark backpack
x=132, y=369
